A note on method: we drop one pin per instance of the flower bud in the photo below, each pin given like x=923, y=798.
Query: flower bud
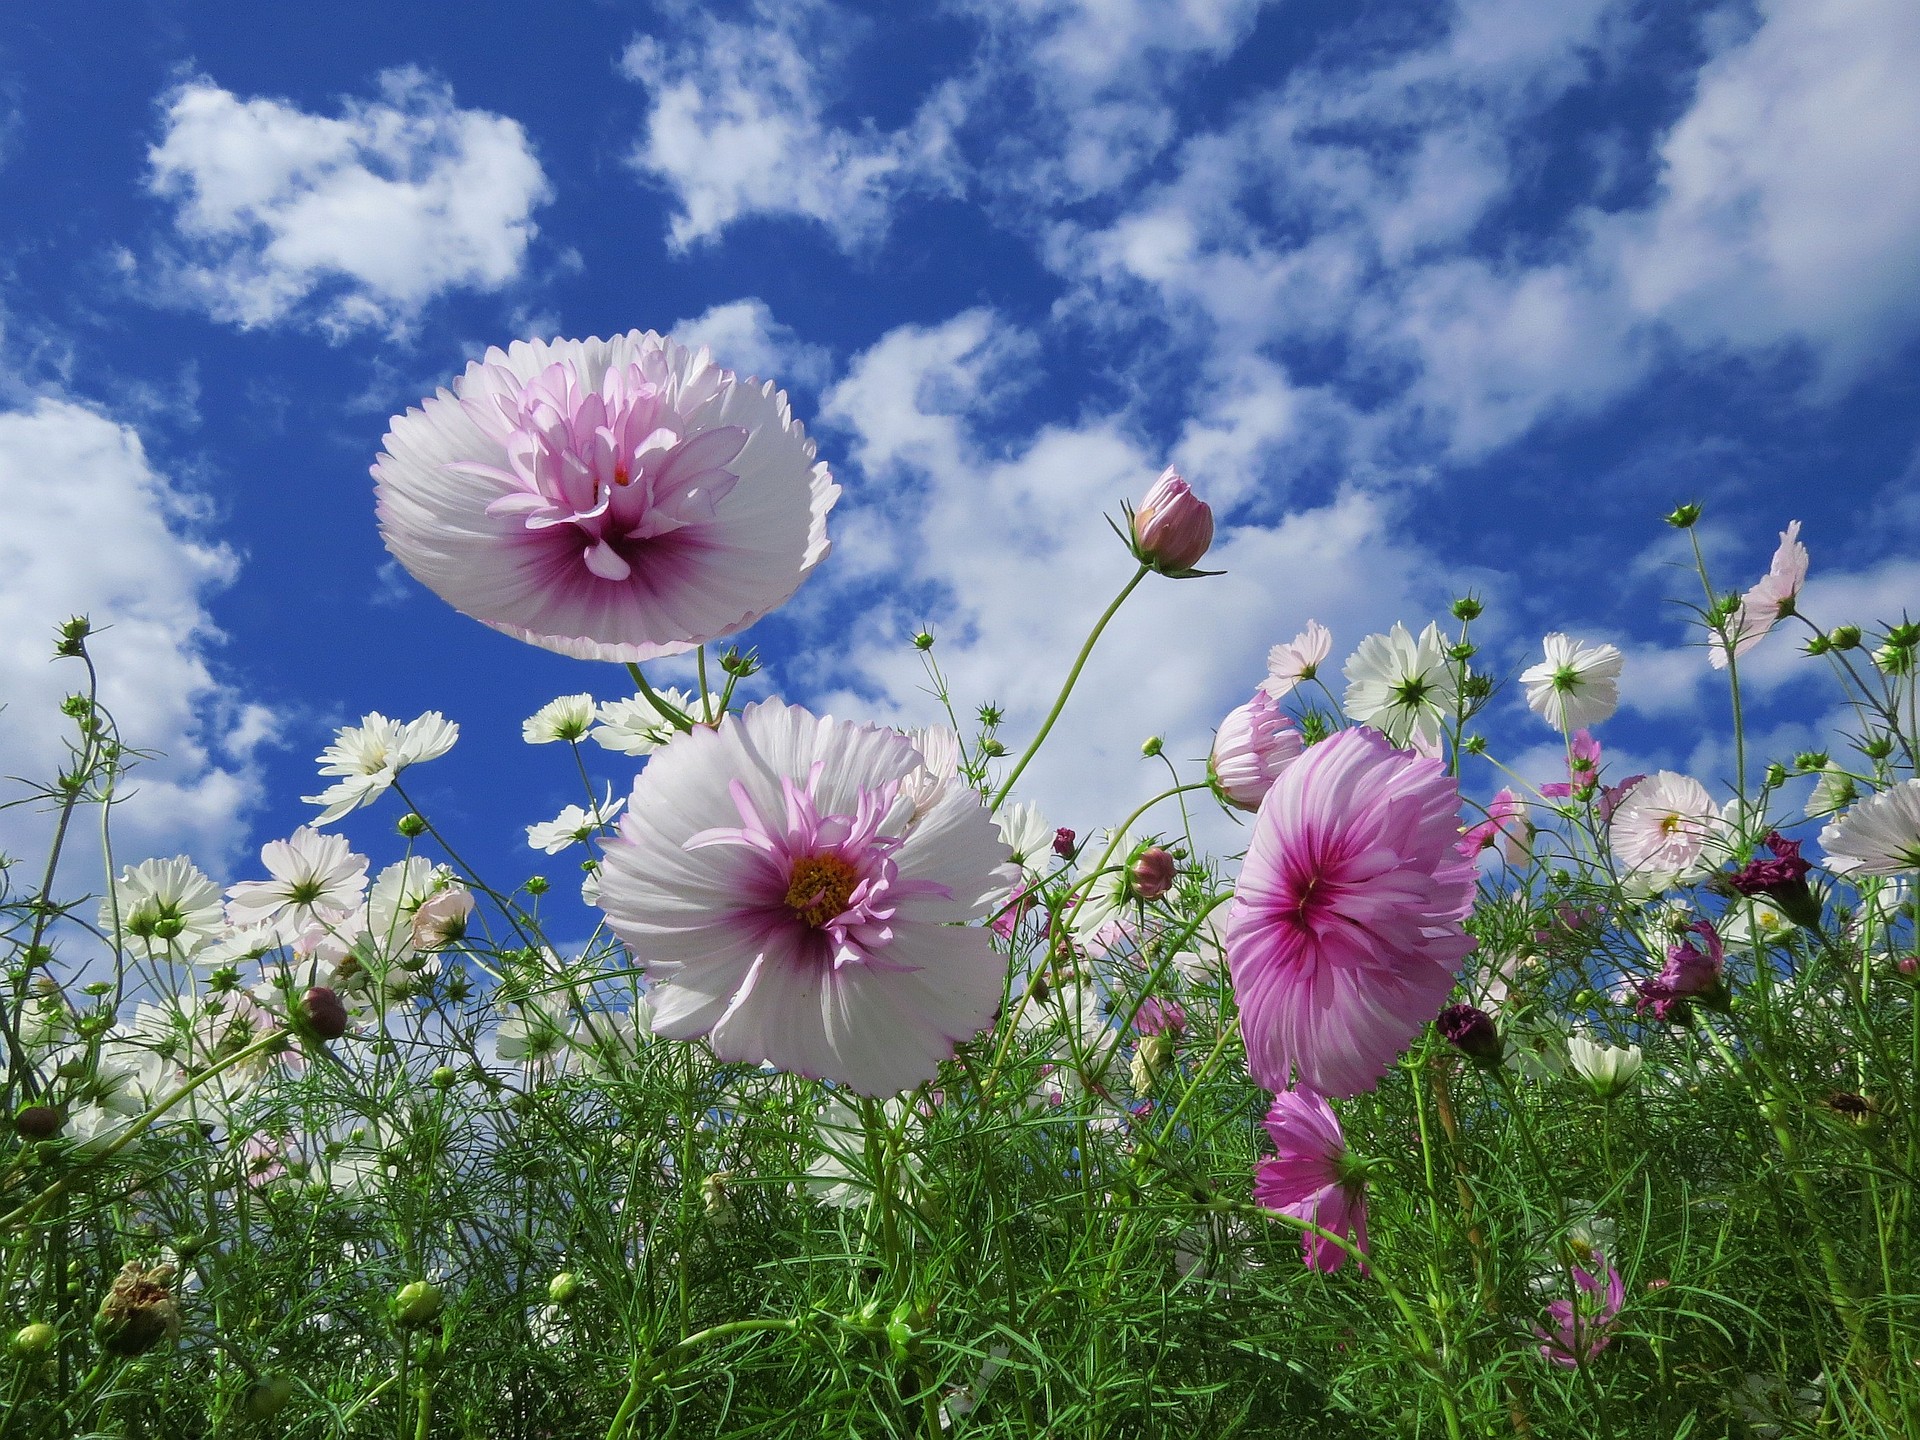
x=923, y=640
x=564, y=1288
x=443, y=1077
x=1682, y=517
x=1471, y=1031
x=411, y=825
x=1063, y=843
x=139, y=1311
x=1152, y=873
x=38, y=1122
x=1150, y=1058
x=1253, y=745
x=1467, y=608
x=267, y=1397
x=1844, y=637
x=31, y=1342
x=415, y=1304
x=717, y=1203
x=1173, y=528
x=1151, y=746
x=323, y=1013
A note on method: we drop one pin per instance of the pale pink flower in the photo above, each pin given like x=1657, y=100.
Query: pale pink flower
x=1298, y=660
x=1173, y=528
x=1313, y=1178
x=790, y=905
x=1254, y=744
x=1345, y=933
x=1661, y=829
x=1879, y=836
x=1576, y=685
x=317, y=881
x=1767, y=603
x=1506, y=826
x=610, y=499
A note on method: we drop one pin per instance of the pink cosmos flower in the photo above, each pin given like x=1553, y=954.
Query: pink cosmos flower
x=1767, y=603
x=610, y=499
x=1584, y=1326
x=1157, y=1017
x=1661, y=829
x=1298, y=660
x=1696, y=969
x=1345, y=933
x=1253, y=745
x=1313, y=1178
x=1506, y=825
x=791, y=903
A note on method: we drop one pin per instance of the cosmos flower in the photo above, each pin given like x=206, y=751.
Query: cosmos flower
x=1695, y=970
x=565, y=718
x=1583, y=1326
x=1029, y=836
x=1767, y=603
x=636, y=726
x=317, y=880
x=167, y=909
x=1402, y=687
x=1506, y=826
x=1661, y=828
x=1607, y=1070
x=369, y=757
x=573, y=825
x=1173, y=528
x=1577, y=685
x=1345, y=932
x=1253, y=745
x=1313, y=1177
x=614, y=499
x=816, y=931
x=1297, y=661
x=1879, y=836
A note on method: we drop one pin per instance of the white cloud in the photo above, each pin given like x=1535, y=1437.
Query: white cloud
x=350, y=223
x=738, y=126
x=744, y=337
x=93, y=529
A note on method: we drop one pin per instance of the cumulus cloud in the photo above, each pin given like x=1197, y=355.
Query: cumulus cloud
x=744, y=336
x=738, y=125
x=351, y=222
x=93, y=529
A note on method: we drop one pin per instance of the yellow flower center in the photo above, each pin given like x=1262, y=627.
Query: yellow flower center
x=820, y=887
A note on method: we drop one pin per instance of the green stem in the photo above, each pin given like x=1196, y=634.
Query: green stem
x=1073, y=677
x=673, y=717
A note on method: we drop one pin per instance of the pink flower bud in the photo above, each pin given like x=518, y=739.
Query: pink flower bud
x=1063, y=843
x=1173, y=527
x=1253, y=745
x=323, y=1013
x=1152, y=873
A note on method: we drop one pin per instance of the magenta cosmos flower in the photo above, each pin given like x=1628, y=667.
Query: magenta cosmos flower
x=1345, y=935
x=1583, y=1326
x=797, y=891
x=610, y=499
x=1313, y=1178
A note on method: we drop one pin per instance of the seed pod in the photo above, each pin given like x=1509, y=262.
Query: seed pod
x=139, y=1312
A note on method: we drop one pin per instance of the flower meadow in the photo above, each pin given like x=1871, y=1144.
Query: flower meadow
x=1437, y=1104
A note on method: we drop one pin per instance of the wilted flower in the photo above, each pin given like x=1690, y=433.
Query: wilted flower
x=1583, y=1326
x=167, y=909
x=368, y=757
x=1470, y=1030
x=614, y=499
x=1254, y=744
x=1298, y=660
x=1782, y=878
x=1313, y=1178
x=818, y=933
x=1879, y=836
x=1345, y=932
x=139, y=1311
x=1577, y=685
x=1695, y=969
x=1608, y=1070
x=1173, y=528
x=566, y=718
x=1402, y=687
x=1767, y=603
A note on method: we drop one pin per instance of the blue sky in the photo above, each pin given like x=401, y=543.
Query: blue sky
x=1423, y=297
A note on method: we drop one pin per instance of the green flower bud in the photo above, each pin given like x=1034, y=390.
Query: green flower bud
x=1467, y=607
x=1682, y=517
x=415, y=1304
x=267, y=1397
x=1844, y=637
x=411, y=825
x=31, y=1342
x=1151, y=746
x=923, y=640
x=443, y=1077
x=564, y=1288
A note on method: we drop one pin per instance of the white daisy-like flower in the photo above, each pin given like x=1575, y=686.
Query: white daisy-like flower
x=1879, y=836
x=1576, y=686
x=565, y=718
x=1103, y=897
x=1608, y=1070
x=538, y=1032
x=839, y=1174
x=636, y=726
x=317, y=880
x=1666, y=830
x=1403, y=687
x=368, y=757
x=415, y=907
x=167, y=909
x=573, y=825
x=1298, y=660
x=1029, y=834
x=1832, y=792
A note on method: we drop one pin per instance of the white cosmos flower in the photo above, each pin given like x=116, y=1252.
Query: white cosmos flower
x=636, y=726
x=1662, y=831
x=566, y=718
x=369, y=756
x=1577, y=685
x=1402, y=687
x=573, y=825
x=317, y=880
x=1608, y=1070
x=1879, y=836
x=1026, y=830
x=537, y=1033
x=839, y=1174
x=167, y=909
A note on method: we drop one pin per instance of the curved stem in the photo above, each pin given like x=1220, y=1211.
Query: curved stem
x=673, y=717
